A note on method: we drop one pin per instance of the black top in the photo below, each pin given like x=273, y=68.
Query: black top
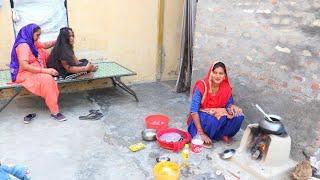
x=59, y=67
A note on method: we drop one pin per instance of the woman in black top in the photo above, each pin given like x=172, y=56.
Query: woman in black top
x=62, y=57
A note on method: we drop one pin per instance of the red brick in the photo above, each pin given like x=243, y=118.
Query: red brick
x=297, y=99
x=275, y=84
x=299, y=78
x=297, y=89
x=284, y=84
x=271, y=82
x=315, y=86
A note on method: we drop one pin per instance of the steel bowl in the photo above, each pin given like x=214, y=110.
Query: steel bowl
x=227, y=153
x=162, y=158
x=149, y=134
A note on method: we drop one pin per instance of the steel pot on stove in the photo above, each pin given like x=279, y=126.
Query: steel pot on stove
x=272, y=127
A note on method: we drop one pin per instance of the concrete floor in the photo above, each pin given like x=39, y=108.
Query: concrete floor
x=98, y=149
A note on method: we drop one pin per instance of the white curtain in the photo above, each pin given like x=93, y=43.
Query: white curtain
x=50, y=15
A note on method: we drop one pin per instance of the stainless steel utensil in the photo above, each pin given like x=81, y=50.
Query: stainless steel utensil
x=162, y=158
x=274, y=127
x=227, y=153
x=265, y=114
x=149, y=134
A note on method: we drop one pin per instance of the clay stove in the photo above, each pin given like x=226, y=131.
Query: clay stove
x=265, y=156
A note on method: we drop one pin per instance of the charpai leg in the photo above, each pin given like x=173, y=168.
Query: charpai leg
x=17, y=92
x=113, y=82
x=118, y=82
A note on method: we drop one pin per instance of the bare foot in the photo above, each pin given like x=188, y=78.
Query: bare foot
x=227, y=140
x=208, y=145
x=95, y=69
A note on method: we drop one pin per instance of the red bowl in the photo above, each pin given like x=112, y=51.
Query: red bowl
x=174, y=146
x=157, y=121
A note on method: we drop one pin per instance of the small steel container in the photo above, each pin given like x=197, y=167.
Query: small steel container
x=149, y=134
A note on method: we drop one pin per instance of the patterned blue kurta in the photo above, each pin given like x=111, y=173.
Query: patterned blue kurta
x=213, y=127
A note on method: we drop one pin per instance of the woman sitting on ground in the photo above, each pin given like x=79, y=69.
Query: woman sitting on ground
x=28, y=67
x=62, y=57
x=213, y=113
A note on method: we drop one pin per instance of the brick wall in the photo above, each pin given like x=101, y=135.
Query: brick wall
x=272, y=50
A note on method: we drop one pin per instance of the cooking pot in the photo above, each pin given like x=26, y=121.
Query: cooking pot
x=272, y=127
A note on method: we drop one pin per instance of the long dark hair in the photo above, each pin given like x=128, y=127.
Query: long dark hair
x=220, y=64
x=62, y=50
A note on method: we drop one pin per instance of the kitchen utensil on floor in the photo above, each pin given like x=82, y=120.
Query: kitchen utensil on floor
x=157, y=121
x=162, y=158
x=175, y=146
x=226, y=154
x=166, y=171
x=170, y=137
x=149, y=134
x=196, y=145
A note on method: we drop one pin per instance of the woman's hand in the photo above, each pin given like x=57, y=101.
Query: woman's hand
x=211, y=111
x=95, y=69
x=219, y=112
x=51, y=71
x=235, y=110
x=205, y=138
x=48, y=44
